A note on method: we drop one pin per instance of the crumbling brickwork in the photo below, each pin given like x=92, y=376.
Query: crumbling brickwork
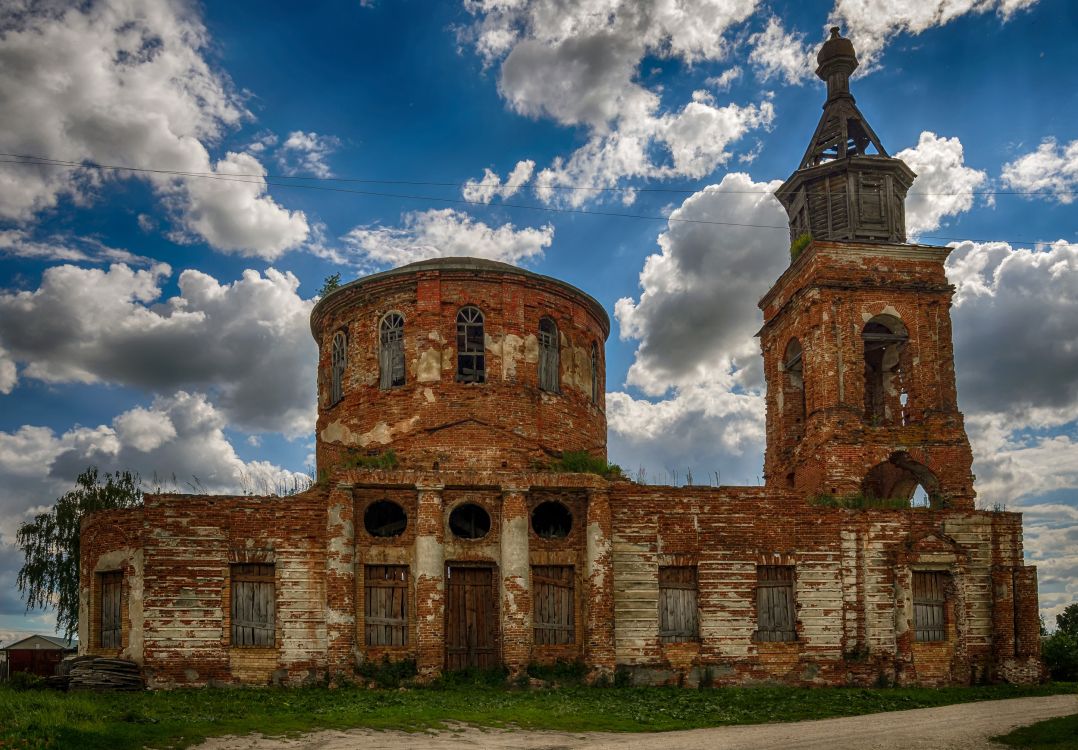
x=825, y=301
x=434, y=421
x=468, y=553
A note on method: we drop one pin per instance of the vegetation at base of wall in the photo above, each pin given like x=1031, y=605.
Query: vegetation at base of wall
x=49, y=576
x=182, y=718
x=798, y=245
x=330, y=283
x=1060, y=649
x=859, y=502
x=582, y=462
x=561, y=672
x=387, y=460
x=387, y=673
x=1052, y=734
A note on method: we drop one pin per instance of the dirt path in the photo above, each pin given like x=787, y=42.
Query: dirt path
x=961, y=727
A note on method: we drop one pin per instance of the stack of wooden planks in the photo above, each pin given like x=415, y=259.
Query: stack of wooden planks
x=100, y=673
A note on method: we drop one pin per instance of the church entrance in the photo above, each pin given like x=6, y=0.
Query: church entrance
x=470, y=629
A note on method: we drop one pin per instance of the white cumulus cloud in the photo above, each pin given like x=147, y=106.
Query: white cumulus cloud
x=248, y=342
x=578, y=64
x=490, y=185
x=944, y=186
x=1052, y=170
x=446, y=233
x=127, y=83
x=872, y=23
x=777, y=53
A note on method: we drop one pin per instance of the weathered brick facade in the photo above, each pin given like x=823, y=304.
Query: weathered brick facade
x=469, y=551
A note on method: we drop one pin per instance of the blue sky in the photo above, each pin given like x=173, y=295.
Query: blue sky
x=158, y=321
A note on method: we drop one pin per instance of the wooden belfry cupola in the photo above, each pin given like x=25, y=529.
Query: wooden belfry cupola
x=847, y=187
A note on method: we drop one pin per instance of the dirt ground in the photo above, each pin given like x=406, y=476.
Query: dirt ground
x=960, y=727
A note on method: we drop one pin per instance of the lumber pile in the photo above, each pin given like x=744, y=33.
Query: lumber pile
x=101, y=674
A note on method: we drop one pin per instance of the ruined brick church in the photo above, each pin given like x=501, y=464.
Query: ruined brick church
x=438, y=532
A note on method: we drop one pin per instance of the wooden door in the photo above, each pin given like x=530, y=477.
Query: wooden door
x=470, y=627
x=552, y=613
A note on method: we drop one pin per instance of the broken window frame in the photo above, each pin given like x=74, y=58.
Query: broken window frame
x=385, y=605
x=338, y=362
x=391, y=372
x=793, y=379
x=679, y=608
x=878, y=335
x=776, y=604
x=471, y=345
x=110, y=608
x=549, y=359
x=253, y=602
x=594, y=373
x=930, y=588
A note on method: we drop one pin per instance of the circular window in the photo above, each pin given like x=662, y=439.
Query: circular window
x=469, y=521
x=385, y=518
x=552, y=520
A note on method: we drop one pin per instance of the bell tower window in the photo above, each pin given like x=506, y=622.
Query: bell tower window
x=793, y=391
x=885, y=340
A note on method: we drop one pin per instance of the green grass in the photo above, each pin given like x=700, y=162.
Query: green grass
x=180, y=718
x=1052, y=734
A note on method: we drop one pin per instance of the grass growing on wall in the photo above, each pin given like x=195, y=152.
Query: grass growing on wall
x=181, y=718
x=582, y=462
x=859, y=502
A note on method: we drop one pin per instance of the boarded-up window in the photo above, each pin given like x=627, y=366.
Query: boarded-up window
x=775, y=613
x=548, y=355
x=385, y=610
x=929, y=598
x=678, y=617
x=391, y=351
x=553, y=612
x=252, y=604
x=111, y=586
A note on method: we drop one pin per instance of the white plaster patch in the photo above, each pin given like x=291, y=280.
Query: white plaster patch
x=428, y=368
x=511, y=347
x=429, y=395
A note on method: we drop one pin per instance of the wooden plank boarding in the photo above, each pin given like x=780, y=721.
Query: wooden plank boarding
x=553, y=615
x=253, y=595
x=776, y=612
x=111, y=620
x=470, y=618
x=678, y=612
x=929, y=600
x=385, y=609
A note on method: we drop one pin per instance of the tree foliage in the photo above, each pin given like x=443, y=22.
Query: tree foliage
x=50, y=542
x=1060, y=649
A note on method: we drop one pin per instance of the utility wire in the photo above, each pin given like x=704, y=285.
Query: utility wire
x=11, y=158
x=265, y=180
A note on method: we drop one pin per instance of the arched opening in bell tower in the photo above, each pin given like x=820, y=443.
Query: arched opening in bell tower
x=885, y=339
x=900, y=477
x=793, y=392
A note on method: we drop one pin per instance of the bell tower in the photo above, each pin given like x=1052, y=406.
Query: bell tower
x=858, y=358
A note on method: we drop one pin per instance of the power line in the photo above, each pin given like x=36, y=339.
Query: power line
x=32, y=160
x=265, y=180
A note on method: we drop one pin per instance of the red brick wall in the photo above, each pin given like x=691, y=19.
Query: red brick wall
x=506, y=422
x=824, y=300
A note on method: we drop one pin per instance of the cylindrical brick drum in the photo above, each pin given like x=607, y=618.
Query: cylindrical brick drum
x=459, y=363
